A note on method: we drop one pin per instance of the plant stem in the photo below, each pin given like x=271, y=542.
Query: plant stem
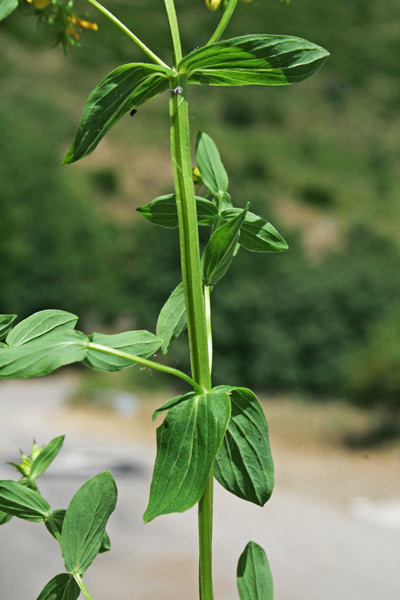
x=147, y=363
x=207, y=300
x=222, y=25
x=129, y=33
x=192, y=282
x=82, y=586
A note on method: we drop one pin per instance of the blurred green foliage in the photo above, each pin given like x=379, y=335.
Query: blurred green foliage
x=325, y=148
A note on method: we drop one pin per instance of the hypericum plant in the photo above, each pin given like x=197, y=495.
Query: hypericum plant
x=210, y=431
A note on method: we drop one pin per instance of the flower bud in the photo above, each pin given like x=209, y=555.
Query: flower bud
x=213, y=4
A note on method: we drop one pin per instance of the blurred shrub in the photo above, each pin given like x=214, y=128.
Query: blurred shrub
x=55, y=250
x=374, y=377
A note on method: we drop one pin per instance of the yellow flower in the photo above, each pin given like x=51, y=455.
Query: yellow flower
x=213, y=4
x=40, y=4
x=83, y=24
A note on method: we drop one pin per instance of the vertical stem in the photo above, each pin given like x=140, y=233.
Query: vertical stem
x=82, y=586
x=207, y=300
x=192, y=282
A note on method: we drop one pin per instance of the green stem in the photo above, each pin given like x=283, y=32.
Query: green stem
x=222, y=25
x=174, y=27
x=82, y=586
x=207, y=300
x=147, y=363
x=205, y=525
x=129, y=33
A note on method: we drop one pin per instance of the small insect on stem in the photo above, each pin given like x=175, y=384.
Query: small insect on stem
x=176, y=91
x=133, y=112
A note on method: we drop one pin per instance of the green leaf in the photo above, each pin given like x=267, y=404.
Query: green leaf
x=171, y=403
x=58, y=517
x=6, y=322
x=20, y=501
x=7, y=7
x=46, y=457
x=254, y=60
x=4, y=517
x=254, y=579
x=117, y=94
x=85, y=522
x=139, y=343
x=163, y=211
x=220, y=249
x=256, y=234
x=209, y=162
x=43, y=355
x=61, y=587
x=39, y=324
x=244, y=464
x=187, y=443
x=172, y=318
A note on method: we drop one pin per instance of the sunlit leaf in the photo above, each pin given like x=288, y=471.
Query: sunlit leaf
x=58, y=516
x=85, y=522
x=254, y=60
x=20, y=501
x=254, y=579
x=139, y=343
x=61, y=587
x=46, y=457
x=40, y=323
x=7, y=7
x=117, y=94
x=244, y=464
x=256, y=234
x=210, y=165
x=172, y=318
x=187, y=443
x=163, y=211
x=6, y=322
x=220, y=249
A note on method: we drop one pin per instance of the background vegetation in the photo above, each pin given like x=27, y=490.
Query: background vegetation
x=319, y=159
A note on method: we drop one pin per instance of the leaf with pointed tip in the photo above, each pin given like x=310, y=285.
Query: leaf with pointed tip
x=209, y=162
x=256, y=234
x=6, y=323
x=187, y=443
x=58, y=517
x=4, y=517
x=61, y=587
x=117, y=94
x=43, y=355
x=172, y=318
x=139, y=343
x=163, y=211
x=254, y=60
x=220, y=249
x=244, y=464
x=254, y=579
x=7, y=7
x=46, y=457
x=85, y=522
x=20, y=501
x=171, y=403
x=40, y=323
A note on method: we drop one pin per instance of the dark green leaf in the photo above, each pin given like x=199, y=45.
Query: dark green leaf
x=39, y=324
x=46, y=456
x=171, y=403
x=7, y=7
x=20, y=501
x=4, y=517
x=6, y=322
x=122, y=90
x=256, y=234
x=254, y=579
x=220, y=249
x=58, y=516
x=172, y=318
x=187, y=443
x=85, y=522
x=254, y=60
x=162, y=211
x=61, y=587
x=139, y=343
x=244, y=464
x=209, y=162
x=43, y=355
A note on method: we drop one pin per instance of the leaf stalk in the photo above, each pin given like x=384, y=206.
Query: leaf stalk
x=222, y=25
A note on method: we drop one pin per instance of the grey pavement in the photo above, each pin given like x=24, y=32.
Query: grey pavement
x=317, y=551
